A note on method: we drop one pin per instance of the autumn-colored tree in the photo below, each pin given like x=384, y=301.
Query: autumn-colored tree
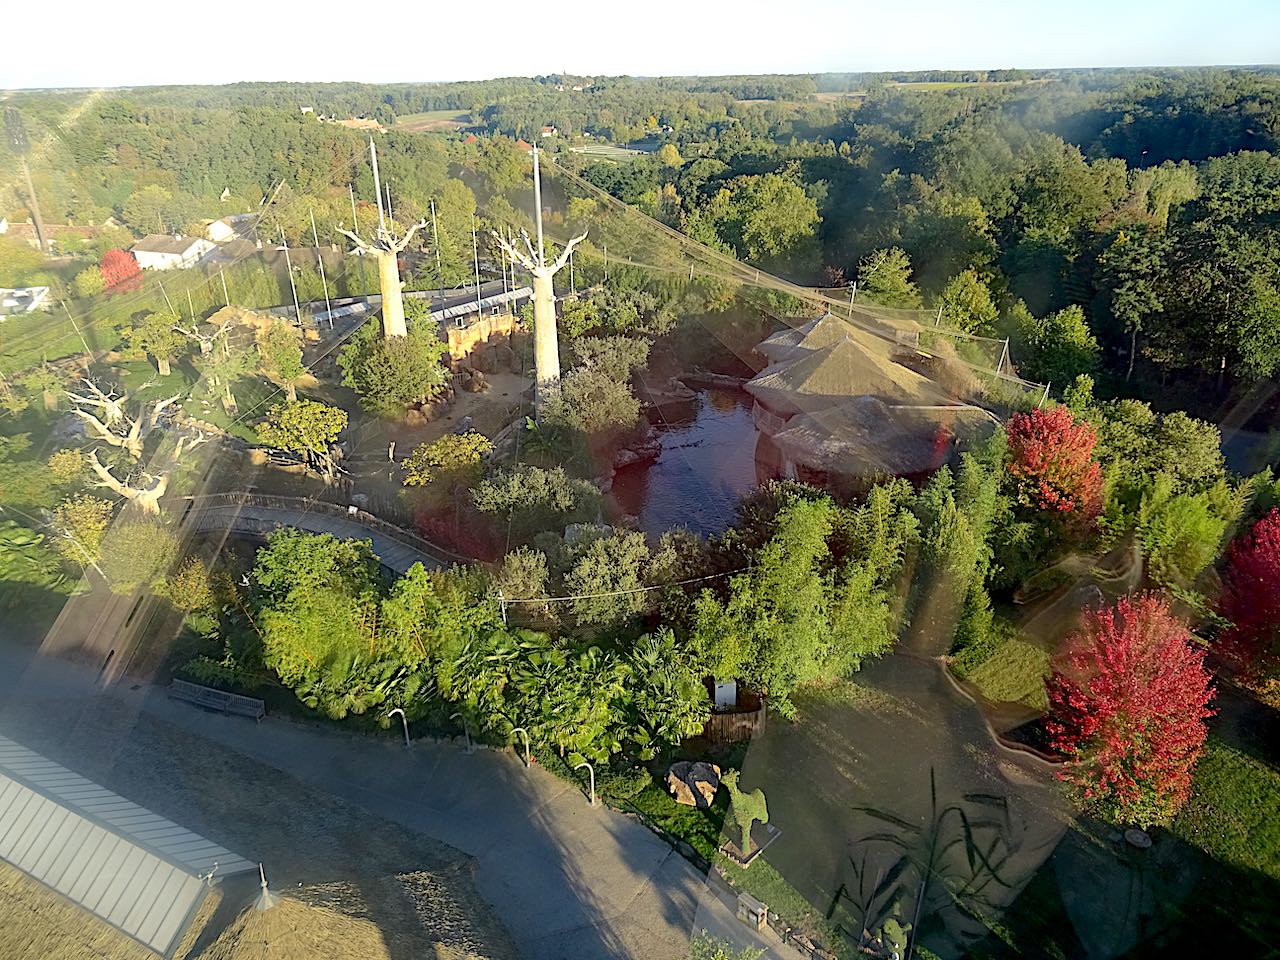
x=120, y=271
x=1251, y=596
x=1052, y=465
x=1127, y=707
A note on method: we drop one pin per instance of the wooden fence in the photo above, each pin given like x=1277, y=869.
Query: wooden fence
x=736, y=726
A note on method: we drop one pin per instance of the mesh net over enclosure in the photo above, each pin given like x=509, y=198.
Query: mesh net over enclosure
x=620, y=237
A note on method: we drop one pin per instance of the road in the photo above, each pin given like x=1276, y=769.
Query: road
x=569, y=881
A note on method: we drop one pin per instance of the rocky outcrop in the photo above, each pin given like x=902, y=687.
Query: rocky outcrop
x=693, y=784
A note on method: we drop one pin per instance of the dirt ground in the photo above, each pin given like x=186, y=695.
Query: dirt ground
x=418, y=891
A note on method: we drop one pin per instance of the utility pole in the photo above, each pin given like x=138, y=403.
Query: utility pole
x=20, y=145
x=288, y=265
x=225, y=296
x=475, y=256
x=324, y=282
x=435, y=242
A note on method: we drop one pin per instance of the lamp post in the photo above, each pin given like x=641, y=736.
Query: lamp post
x=465, y=732
x=591, y=770
x=525, y=734
x=404, y=722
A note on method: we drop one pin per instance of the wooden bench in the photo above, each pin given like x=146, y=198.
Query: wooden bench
x=221, y=700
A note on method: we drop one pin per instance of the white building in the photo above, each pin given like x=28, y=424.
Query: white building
x=228, y=228
x=15, y=300
x=160, y=252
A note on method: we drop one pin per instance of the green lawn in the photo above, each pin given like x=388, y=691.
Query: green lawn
x=1014, y=673
x=1232, y=813
x=254, y=396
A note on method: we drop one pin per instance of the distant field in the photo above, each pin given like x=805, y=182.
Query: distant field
x=611, y=152
x=433, y=120
x=953, y=84
x=836, y=95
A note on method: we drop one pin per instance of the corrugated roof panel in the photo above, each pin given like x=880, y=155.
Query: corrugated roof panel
x=133, y=868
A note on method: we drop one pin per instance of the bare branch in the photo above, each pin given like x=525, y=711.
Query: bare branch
x=397, y=246
x=514, y=252
x=361, y=246
x=568, y=249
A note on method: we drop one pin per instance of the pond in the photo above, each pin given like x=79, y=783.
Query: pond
x=707, y=464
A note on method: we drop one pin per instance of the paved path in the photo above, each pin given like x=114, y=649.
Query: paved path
x=258, y=520
x=570, y=882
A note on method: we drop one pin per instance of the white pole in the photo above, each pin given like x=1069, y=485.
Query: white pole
x=573, y=286
x=315, y=238
x=475, y=254
x=524, y=733
x=537, y=204
x=435, y=242
x=377, y=189
x=938, y=320
x=591, y=770
x=351, y=191
x=465, y=731
x=167, y=301
x=404, y=722
x=190, y=307
x=288, y=265
x=225, y=296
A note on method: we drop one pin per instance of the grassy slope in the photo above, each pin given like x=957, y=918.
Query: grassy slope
x=1232, y=813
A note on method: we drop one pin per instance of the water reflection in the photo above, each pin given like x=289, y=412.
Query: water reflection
x=707, y=464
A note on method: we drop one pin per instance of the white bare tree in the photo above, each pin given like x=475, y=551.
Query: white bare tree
x=105, y=416
x=386, y=247
x=546, y=341
x=206, y=340
x=144, y=488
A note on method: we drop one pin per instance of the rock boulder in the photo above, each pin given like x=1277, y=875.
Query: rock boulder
x=693, y=784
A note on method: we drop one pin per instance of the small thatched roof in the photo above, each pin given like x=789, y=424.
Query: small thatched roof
x=855, y=365
x=293, y=930
x=865, y=437
x=824, y=331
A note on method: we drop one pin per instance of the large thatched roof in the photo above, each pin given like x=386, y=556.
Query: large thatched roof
x=855, y=365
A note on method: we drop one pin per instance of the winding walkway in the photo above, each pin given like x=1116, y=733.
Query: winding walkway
x=259, y=514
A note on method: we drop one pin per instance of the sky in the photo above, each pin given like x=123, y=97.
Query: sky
x=90, y=43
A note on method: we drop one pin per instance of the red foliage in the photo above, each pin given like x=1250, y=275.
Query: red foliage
x=1251, y=594
x=1128, y=708
x=1052, y=461
x=120, y=271
x=470, y=539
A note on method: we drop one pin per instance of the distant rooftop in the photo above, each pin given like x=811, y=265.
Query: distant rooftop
x=161, y=243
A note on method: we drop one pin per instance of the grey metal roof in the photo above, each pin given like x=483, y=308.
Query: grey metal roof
x=161, y=243
x=136, y=870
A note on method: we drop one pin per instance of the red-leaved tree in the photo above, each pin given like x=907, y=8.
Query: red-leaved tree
x=1051, y=460
x=1251, y=597
x=1127, y=706
x=120, y=271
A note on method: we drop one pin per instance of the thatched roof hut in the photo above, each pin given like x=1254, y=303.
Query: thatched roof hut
x=856, y=365
x=292, y=930
x=840, y=400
